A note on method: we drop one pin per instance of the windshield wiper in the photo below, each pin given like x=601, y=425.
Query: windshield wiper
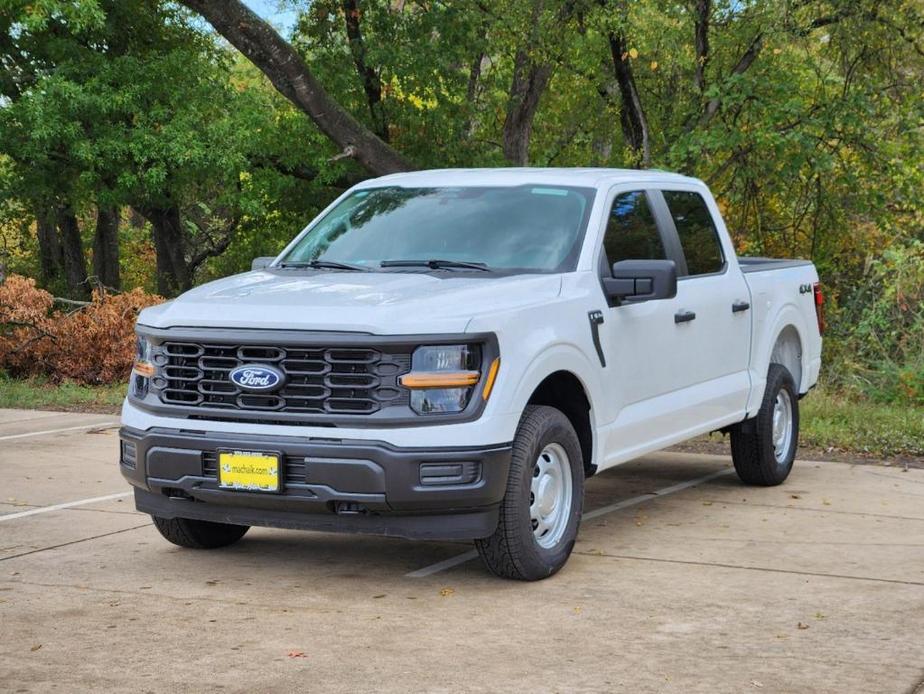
x=436, y=264
x=325, y=265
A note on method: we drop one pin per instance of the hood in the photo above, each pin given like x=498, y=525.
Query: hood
x=374, y=302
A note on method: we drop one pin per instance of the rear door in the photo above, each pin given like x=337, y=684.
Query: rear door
x=713, y=316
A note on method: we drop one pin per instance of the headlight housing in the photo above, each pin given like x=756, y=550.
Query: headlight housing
x=442, y=378
x=143, y=369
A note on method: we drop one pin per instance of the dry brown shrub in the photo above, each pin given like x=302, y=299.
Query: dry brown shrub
x=92, y=344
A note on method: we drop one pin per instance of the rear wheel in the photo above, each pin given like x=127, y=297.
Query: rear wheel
x=763, y=448
x=541, y=511
x=199, y=534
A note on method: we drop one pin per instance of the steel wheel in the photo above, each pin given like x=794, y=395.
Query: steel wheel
x=782, y=426
x=550, y=495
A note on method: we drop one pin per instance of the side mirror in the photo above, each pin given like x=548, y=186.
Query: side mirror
x=642, y=280
x=262, y=262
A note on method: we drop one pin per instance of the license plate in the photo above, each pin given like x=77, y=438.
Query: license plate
x=248, y=471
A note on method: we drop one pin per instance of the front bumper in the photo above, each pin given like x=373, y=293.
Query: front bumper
x=328, y=484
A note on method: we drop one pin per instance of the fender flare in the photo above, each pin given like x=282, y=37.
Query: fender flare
x=561, y=356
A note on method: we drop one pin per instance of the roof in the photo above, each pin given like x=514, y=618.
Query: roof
x=587, y=177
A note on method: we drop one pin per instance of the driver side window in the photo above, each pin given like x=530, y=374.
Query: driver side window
x=631, y=231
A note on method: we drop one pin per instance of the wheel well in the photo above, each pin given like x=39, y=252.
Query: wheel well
x=787, y=351
x=563, y=391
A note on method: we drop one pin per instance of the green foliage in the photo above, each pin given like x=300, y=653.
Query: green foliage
x=877, y=346
x=40, y=394
x=807, y=125
x=831, y=420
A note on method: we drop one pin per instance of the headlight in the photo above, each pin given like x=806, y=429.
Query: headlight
x=143, y=369
x=443, y=377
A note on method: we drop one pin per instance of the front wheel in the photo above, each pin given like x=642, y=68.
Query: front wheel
x=199, y=534
x=764, y=447
x=541, y=510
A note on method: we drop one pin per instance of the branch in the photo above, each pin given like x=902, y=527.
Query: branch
x=744, y=62
x=289, y=73
x=702, y=13
x=71, y=302
x=303, y=172
x=216, y=248
x=905, y=36
x=372, y=86
x=42, y=334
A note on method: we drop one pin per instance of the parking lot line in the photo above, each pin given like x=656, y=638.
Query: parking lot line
x=58, y=507
x=596, y=513
x=98, y=425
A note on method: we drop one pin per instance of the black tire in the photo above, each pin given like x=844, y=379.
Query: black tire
x=513, y=551
x=199, y=534
x=752, y=443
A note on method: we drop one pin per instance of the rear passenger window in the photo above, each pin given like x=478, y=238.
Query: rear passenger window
x=698, y=236
x=631, y=232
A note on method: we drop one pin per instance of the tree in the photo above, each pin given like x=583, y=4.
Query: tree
x=286, y=69
x=131, y=107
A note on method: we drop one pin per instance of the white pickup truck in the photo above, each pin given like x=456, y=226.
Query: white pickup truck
x=450, y=354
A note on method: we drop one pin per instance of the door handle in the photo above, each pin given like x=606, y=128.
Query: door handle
x=740, y=306
x=684, y=316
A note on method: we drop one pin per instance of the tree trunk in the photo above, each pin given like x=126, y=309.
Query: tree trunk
x=106, y=247
x=75, y=264
x=529, y=82
x=632, y=115
x=286, y=69
x=135, y=218
x=702, y=12
x=51, y=259
x=173, y=274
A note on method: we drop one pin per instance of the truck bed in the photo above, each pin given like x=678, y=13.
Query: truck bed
x=755, y=264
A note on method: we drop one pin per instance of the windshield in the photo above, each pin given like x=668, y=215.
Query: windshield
x=525, y=228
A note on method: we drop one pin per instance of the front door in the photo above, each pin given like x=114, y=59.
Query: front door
x=640, y=340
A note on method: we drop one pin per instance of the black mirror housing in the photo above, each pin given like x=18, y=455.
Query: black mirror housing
x=641, y=280
x=262, y=262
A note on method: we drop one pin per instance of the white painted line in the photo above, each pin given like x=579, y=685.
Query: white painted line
x=654, y=495
x=596, y=513
x=98, y=425
x=58, y=507
x=443, y=565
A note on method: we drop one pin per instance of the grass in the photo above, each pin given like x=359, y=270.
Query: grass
x=829, y=420
x=40, y=394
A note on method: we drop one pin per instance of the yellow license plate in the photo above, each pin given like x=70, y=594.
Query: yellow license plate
x=248, y=471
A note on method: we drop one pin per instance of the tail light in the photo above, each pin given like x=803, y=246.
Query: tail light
x=819, y=307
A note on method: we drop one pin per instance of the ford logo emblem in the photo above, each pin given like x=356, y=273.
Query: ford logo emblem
x=256, y=378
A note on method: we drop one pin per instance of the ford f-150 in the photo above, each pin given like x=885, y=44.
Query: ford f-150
x=450, y=354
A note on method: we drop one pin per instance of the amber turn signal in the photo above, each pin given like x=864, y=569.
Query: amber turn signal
x=440, y=379
x=489, y=382
x=144, y=368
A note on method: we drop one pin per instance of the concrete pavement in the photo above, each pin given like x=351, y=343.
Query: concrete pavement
x=707, y=586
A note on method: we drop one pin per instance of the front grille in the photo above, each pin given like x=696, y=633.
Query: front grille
x=319, y=380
